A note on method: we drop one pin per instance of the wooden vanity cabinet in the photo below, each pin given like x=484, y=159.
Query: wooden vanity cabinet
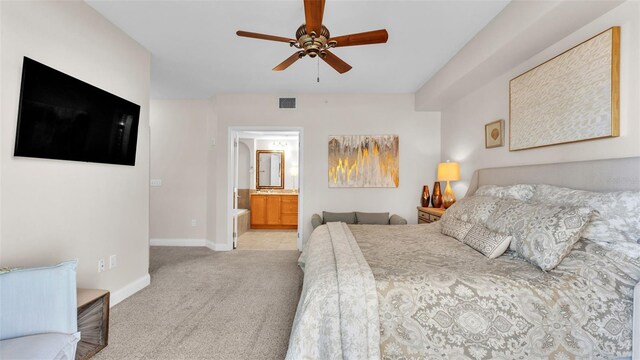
x=274, y=211
x=289, y=210
x=258, y=209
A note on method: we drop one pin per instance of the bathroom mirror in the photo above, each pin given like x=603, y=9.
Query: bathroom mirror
x=269, y=169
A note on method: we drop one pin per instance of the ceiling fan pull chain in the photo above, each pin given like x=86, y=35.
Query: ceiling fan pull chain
x=318, y=69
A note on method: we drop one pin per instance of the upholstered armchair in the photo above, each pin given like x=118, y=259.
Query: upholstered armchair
x=38, y=314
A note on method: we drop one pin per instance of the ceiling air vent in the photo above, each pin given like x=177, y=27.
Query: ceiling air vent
x=287, y=103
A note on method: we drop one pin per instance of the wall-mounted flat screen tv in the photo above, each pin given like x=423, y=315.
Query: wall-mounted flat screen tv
x=61, y=117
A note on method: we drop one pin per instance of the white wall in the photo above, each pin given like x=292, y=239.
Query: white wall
x=1, y=132
x=179, y=159
x=245, y=163
x=324, y=115
x=212, y=170
x=58, y=210
x=463, y=120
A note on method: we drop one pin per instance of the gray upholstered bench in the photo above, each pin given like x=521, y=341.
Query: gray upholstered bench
x=356, y=217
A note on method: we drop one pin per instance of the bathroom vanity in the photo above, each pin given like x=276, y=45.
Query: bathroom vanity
x=277, y=210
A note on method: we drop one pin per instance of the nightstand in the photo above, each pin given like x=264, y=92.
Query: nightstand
x=429, y=215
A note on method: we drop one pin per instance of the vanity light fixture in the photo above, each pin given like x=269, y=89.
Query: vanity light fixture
x=279, y=144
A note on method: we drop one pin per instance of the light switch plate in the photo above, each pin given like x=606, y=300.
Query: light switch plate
x=156, y=182
x=113, y=261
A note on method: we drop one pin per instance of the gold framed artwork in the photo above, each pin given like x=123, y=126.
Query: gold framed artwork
x=494, y=134
x=572, y=97
x=364, y=161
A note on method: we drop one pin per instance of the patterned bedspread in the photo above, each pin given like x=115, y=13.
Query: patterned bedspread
x=438, y=298
x=337, y=316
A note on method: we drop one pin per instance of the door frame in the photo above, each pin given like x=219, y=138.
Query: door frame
x=234, y=202
x=232, y=130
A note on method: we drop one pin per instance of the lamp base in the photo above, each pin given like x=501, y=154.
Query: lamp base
x=448, y=198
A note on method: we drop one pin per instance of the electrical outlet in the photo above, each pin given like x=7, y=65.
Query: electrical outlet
x=100, y=265
x=194, y=222
x=113, y=261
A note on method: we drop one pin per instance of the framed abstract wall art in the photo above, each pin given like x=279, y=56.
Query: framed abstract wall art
x=572, y=97
x=494, y=134
x=364, y=161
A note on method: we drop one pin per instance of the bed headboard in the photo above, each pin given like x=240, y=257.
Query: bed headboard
x=592, y=175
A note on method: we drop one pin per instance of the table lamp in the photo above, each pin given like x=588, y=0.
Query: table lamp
x=448, y=171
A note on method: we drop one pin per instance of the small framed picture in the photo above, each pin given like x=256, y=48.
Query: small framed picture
x=494, y=134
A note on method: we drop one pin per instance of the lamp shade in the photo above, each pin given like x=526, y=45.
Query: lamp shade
x=448, y=171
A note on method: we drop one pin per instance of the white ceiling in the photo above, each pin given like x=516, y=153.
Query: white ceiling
x=196, y=54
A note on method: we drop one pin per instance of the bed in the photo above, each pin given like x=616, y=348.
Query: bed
x=410, y=292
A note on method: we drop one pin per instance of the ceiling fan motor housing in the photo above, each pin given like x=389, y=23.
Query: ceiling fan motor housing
x=312, y=44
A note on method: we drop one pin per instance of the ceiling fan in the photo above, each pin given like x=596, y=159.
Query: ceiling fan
x=313, y=39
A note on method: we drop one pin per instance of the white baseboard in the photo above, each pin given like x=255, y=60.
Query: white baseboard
x=219, y=247
x=178, y=242
x=190, y=242
x=132, y=288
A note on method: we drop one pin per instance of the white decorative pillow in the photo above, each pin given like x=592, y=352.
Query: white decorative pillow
x=522, y=192
x=542, y=234
x=474, y=209
x=491, y=244
x=618, y=218
x=455, y=228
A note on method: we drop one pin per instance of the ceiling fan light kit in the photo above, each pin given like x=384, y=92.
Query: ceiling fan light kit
x=313, y=39
x=312, y=44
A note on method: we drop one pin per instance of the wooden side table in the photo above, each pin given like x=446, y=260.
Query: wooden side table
x=429, y=215
x=93, y=322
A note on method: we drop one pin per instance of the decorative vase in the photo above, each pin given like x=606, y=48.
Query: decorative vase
x=424, y=200
x=436, y=198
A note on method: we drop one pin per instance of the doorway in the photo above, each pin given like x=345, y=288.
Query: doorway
x=265, y=192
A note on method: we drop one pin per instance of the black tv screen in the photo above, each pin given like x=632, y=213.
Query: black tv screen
x=61, y=117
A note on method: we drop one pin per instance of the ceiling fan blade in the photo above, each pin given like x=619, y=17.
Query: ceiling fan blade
x=313, y=12
x=263, y=36
x=335, y=62
x=290, y=60
x=365, y=38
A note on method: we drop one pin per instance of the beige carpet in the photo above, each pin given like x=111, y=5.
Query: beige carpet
x=203, y=304
x=269, y=240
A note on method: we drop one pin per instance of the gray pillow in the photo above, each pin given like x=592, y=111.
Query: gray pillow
x=490, y=244
x=522, y=192
x=455, y=228
x=348, y=217
x=617, y=224
x=372, y=218
x=542, y=234
x=474, y=209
